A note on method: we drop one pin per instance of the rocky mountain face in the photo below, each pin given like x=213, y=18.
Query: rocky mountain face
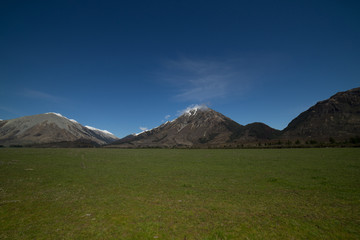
x=197, y=127
x=337, y=117
x=50, y=128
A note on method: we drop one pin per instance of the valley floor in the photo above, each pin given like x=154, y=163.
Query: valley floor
x=180, y=193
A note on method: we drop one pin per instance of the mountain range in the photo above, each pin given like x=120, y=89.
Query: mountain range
x=337, y=118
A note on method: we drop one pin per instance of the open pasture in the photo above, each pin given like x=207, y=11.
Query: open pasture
x=179, y=194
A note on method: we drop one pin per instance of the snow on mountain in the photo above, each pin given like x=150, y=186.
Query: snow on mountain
x=143, y=131
x=58, y=114
x=193, y=109
x=96, y=129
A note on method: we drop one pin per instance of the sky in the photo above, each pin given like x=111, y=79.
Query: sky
x=128, y=66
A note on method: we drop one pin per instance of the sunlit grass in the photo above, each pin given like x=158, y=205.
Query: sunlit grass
x=179, y=194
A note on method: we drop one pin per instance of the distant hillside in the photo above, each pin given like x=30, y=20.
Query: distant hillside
x=50, y=128
x=337, y=117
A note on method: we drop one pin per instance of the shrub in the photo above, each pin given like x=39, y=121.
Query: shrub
x=354, y=140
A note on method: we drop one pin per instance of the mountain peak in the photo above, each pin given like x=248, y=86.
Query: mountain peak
x=60, y=115
x=193, y=109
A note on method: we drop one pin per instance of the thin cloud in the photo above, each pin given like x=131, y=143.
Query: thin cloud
x=166, y=118
x=10, y=110
x=201, y=80
x=204, y=88
x=41, y=95
x=143, y=129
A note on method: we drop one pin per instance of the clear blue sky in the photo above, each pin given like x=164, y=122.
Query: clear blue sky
x=122, y=65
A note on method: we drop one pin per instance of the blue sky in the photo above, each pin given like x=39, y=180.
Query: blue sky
x=126, y=65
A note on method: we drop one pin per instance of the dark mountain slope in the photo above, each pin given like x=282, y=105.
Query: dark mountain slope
x=337, y=117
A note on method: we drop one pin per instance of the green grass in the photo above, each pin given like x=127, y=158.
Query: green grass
x=179, y=194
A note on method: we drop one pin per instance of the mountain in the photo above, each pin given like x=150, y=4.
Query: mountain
x=197, y=127
x=337, y=117
x=257, y=131
x=50, y=128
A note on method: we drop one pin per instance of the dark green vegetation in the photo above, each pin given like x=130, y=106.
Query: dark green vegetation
x=179, y=194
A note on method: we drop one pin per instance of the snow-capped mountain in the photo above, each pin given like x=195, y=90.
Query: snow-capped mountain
x=49, y=128
x=197, y=126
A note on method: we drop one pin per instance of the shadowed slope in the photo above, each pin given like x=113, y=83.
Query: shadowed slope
x=337, y=117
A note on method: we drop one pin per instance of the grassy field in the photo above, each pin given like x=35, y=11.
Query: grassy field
x=179, y=194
